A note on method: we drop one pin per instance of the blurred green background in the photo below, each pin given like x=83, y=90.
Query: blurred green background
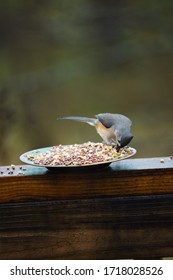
x=84, y=57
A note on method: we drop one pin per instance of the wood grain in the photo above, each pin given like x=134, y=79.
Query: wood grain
x=129, y=177
x=112, y=228
x=122, y=211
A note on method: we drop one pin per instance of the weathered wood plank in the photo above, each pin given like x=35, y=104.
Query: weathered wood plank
x=122, y=211
x=111, y=228
x=129, y=177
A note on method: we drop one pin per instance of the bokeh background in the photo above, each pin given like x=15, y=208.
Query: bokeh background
x=83, y=57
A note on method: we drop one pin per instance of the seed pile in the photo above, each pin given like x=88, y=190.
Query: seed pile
x=77, y=154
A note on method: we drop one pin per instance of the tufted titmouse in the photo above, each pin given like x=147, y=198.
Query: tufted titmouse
x=115, y=129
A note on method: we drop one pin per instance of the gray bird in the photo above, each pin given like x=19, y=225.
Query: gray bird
x=115, y=129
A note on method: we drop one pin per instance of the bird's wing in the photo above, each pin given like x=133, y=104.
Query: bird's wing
x=116, y=120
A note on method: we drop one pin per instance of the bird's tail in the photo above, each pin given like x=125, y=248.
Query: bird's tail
x=90, y=121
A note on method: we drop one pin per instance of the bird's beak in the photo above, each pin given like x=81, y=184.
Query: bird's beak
x=118, y=143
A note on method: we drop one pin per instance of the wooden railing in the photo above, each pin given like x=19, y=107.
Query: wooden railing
x=121, y=211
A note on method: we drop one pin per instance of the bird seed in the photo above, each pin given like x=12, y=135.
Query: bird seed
x=78, y=155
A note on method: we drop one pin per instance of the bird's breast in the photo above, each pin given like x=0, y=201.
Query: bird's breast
x=107, y=134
